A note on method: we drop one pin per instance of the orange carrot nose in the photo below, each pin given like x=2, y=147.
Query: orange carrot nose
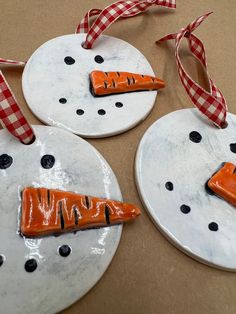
x=107, y=83
x=124, y=212
x=223, y=183
x=48, y=211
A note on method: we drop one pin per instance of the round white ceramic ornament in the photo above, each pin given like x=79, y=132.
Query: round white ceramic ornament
x=56, y=86
x=175, y=158
x=57, y=281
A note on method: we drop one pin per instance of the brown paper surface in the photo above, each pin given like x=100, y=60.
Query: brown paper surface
x=148, y=274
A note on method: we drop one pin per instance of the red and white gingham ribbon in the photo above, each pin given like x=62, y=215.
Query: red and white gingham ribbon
x=111, y=13
x=212, y=104
x=11, y=116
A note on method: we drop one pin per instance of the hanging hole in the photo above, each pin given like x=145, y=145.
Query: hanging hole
x=31, y=142
x=83, y=45
x=225, y=125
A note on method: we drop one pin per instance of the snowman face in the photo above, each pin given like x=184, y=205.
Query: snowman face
x=54, y=272
x=56, y=86
x=172, y=169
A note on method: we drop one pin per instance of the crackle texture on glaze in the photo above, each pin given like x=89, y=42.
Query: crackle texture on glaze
x=200, y=224
x=48, y=78
x=58, y=281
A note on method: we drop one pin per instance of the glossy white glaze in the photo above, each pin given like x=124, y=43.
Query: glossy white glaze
x=58, y=281
x=47, y=78
x=165, y=154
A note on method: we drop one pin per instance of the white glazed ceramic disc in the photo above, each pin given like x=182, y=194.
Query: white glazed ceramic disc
x=47, y=80
x=58, y=281
x=166, y=154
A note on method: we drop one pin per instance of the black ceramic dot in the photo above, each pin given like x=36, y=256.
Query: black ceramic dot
x=31, y=265
x=195, y=137
x=101, y=112
x=80, y=112
x=233, y=147
x=64, y=250
x=1, y=260
x=47, y=161
x=69, y=60
x=63, y=100
x=213, y=226
x=99, y=59
x=169, y=186
x=119, y=104
x=5, y=161
x=185, y=209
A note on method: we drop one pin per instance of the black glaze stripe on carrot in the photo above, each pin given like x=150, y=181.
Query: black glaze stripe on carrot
x=48, y=197
x=87, y=203
x=107, y=214
x=76, y=215
x=128, y=80
x=61, y=216
x=105, y=84
x=133, y=80
x=113, y=84
x=118, y=73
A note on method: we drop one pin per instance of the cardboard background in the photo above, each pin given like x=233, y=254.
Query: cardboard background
x=147, y=275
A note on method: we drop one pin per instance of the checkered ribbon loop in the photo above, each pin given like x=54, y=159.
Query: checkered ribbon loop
x=212, y=104
x=111, y=13
x=11, y=116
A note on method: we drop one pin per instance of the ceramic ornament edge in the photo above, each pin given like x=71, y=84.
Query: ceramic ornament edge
x=166, y=233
